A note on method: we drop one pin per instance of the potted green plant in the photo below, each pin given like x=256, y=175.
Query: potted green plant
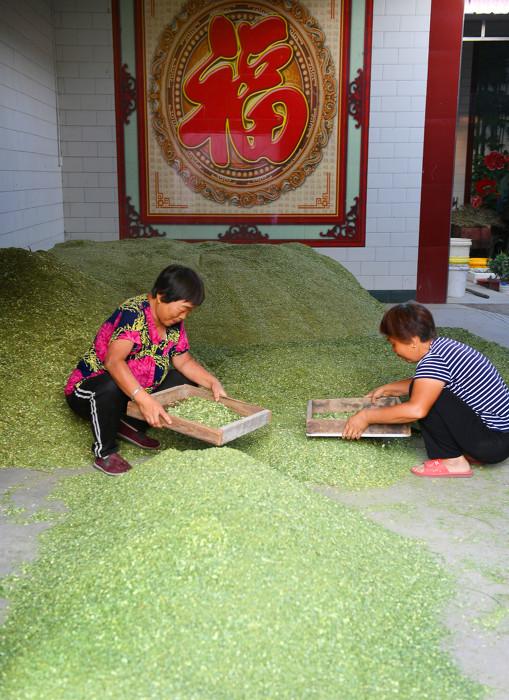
x=499, y=265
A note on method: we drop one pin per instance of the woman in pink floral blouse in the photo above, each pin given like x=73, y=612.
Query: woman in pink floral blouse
x=141, y=348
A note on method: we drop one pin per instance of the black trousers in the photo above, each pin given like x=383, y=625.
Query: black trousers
x=100, y=400
x=452, y=428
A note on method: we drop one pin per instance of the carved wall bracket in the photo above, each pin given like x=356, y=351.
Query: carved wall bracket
x=135, y=228
x=348, y=228
x=243, y=233
x=127, y=93
x=356, y=98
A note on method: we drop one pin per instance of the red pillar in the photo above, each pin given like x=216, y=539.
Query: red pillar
x=446, y=32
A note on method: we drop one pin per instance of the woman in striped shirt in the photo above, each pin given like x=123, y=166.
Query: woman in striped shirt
x=456, y=393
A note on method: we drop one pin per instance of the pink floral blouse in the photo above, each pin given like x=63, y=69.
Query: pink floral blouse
x=150, y=357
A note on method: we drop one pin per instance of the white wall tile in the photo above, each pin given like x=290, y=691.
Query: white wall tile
x=31, y=207
x=382, y=119
x=384, y=87
x=398, y=72
x=415, y=23
x=407, y=267
x=391, y=225
x=410, y=118
x=396, y=135
x=381, y=282
x=400, y=7
x=415, y=55
x=399, y=39
x=382, y=150
x=408, y=149
x=423, y=7
x=387, y=23
x=375, y=268
x=87, y=104
x=407, y=181
x=384, y=56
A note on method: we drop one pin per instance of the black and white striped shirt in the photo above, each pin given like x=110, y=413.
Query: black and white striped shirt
x=469, y=375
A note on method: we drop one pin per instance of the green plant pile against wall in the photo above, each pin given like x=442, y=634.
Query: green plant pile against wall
x=254, y=293
x=52, y=312
x=209, y=575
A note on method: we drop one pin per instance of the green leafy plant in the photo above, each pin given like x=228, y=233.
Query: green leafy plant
x=499, y=265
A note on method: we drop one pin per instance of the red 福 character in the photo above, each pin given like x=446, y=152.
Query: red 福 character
x=240, y=98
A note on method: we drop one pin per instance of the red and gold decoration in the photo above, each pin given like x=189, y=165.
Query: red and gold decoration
x=277, y=90
x=242, y=118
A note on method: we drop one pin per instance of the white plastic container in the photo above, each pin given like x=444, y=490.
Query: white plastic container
x=457, y=280
x=504, y=288
x=460, y=247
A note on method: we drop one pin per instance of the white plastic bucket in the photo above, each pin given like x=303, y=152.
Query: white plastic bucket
x=457, y=281
x=460, y=247
x=504, y=287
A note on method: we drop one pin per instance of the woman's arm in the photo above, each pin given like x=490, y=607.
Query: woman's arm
x=424, y=394
x=115, y=363
x=190, y=368
x=400, y=388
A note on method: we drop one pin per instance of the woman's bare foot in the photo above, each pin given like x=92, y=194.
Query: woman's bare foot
x=454, y=465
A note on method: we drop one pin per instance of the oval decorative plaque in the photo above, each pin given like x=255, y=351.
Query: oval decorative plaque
x=243, y=98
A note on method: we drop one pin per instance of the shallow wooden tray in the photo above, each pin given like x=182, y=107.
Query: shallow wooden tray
x=330, y=427
x=253, y=417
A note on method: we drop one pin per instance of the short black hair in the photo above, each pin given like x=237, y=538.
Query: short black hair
x=406, y=321
x=176, y=283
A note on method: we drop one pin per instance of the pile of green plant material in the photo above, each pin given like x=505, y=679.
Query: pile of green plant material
x=254, y=293
x=208, y=575
x=53, y=310
x=211, y=413
x=50, y=313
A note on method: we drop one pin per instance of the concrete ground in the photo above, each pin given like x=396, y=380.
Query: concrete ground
x=463, y=521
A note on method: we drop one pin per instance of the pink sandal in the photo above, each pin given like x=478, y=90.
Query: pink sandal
x=435, y=468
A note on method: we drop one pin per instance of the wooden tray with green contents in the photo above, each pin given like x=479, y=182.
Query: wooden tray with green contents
x=318, y=425
x=250, y=417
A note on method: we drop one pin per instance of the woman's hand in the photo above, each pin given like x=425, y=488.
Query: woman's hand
x=217, y=389
x=355, y=426
x=399, y=388
x=190, y=368
x=152, y=411
x=377, y=393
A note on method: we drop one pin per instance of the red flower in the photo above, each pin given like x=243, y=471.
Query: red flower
x=494, y=160
x=476, y=201
x=485, y=187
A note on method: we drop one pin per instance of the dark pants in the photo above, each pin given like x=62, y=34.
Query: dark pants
x=452, y=428
x=100, y=400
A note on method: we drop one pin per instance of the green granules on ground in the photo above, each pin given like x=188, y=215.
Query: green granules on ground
x=211, y=413
x=335, y=415
x=209, y=575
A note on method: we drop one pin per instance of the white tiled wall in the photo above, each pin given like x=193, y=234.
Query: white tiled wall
x=84, y=68
x=398, y=93
x=84, y=48
x=31, y=214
